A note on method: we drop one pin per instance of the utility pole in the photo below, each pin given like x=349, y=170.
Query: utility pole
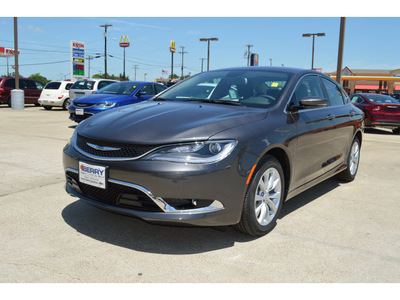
x=183, y=52
x=105, y=48
x=248, y=54
x=89, y=58
x=340, y=52
x=135, y=67
x=202, y=59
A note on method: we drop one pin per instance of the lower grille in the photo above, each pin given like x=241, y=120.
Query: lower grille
x=115, y=194
x=81, y=117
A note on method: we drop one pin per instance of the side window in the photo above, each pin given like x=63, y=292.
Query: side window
x=356, y=99
x=335, y=95
x=27, y=84
x=39, y=85
x=10, y=83
x=103, y=84
x=159, y=88
x=309, y=86
x=68, y=86
x=149, y=88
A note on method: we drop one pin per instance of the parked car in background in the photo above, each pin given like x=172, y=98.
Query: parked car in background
x=56, y=93
x=113, y=95
x=88, y=86
x=261, y=136
x=396, y=96
x=380, y=110
x=32, y=89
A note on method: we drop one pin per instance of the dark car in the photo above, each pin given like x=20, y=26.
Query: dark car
x=380, y=110
x=111, y=96
x=230, y=156
x=32, y=89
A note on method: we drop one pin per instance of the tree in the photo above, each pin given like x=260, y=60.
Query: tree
x=39, y=77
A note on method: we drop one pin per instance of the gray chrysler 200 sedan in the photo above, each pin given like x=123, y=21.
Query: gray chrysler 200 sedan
x=225, y=147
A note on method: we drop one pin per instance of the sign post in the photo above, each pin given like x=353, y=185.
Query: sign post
x=124, y=42
x=172, y=49
x=77, y=60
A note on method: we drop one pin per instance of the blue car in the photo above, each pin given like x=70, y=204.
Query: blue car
x=111, y=96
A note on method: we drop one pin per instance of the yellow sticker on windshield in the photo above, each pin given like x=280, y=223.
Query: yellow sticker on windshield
x=275, y=84
x=134, y=86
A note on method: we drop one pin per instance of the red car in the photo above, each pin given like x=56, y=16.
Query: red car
x=379, y=110
x=32, y=89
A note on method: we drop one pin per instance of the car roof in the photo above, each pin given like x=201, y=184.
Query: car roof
x=272, y=69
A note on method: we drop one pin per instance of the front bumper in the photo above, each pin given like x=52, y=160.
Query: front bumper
x=88, y=111
x=163, y=192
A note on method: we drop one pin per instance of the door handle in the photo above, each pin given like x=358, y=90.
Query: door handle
x=330, y=117
x=352, y=113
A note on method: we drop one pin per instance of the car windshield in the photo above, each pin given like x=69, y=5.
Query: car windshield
x=382, y=99
x=118, y=88
x=83, y=85
x=252, y=88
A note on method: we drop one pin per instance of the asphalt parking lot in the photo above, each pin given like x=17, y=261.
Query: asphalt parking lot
x=333, y=232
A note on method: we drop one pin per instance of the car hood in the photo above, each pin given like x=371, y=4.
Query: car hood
x=96, y=98
x=152, y=122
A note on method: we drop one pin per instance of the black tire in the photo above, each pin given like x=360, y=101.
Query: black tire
x=47, y=107
x=250, y=220
x=350, y=173
x=9, y=102
x=36, y=104
x=396, y=130
x=66, y=104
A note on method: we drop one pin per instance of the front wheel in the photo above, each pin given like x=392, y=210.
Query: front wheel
x=396, y=130
x=264, y=199
x=353, y=160
x=66, y=104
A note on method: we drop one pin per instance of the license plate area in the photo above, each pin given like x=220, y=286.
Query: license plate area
x=79, y=111
x=93, y=175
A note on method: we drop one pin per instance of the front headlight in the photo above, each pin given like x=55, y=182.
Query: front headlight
x=107, y=104
x=194, y=153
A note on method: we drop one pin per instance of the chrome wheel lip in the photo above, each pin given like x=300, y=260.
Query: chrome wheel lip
x=354, y=158
x=267, y=196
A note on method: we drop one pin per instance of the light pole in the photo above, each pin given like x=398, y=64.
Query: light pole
x=313, y=42
x=183, y=52
x=340, y=51
x=105, y=48
x=202, y=60
x=208, y=51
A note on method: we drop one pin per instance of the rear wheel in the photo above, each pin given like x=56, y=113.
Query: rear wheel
x=396, y=130
x=264, y=199
x=47, y=107
x=353, y=161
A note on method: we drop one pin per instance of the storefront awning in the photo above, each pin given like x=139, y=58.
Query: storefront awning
x=366, y=87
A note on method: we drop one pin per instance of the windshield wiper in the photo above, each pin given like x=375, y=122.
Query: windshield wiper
x=226, y=102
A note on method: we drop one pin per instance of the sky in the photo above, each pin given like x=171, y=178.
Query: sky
x=371, y=37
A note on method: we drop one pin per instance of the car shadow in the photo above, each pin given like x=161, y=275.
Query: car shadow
x=379, y=131
x=135, y=234
x=308, y=196
x=72, y=126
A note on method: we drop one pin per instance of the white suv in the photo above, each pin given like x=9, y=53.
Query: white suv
x=56, y=93
x=88, y=86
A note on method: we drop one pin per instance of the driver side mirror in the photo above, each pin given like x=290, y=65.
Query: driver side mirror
x=310, y=102
x=142, y=93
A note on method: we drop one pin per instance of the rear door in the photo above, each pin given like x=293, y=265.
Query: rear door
x=30, y=90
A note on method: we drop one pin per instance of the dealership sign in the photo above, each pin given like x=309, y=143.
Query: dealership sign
x=7, y=52
x=77, y=60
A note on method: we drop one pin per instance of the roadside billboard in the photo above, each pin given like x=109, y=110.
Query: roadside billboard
x=77, y=60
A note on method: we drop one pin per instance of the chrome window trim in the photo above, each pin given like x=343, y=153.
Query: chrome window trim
x=160, y=202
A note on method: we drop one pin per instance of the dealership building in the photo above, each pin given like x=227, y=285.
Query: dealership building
x=369, y=81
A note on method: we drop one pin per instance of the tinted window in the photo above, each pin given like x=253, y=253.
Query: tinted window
x=335, y=94
x=39, y=85
x=53, y=85
x=68, y=86
x=103, y=84
x=83, y=85
x=149, y=88
x=27, y=84
x=159, y=88
x=10, y=83
x=309, y=86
